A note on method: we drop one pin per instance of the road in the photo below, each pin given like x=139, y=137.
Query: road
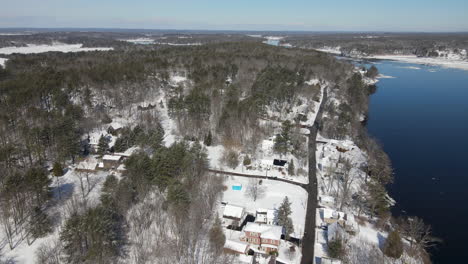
x=303, y=185
x=308, y=240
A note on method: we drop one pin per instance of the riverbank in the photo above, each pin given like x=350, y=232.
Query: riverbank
x=446, y=63
x=413, y=59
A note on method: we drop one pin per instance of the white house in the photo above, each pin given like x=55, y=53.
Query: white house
x=87, y=165
x=233, y=215
x=265, y=216
x=325, y=200
x=231, y=246
x=330, y=216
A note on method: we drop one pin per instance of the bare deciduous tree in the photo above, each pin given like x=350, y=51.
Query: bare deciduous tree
x=254, y=189
x=418, y=233
x=345, y=183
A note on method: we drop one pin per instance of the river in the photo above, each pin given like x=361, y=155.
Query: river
x=421, y=118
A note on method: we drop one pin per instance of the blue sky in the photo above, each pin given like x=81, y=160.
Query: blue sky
x=324, y=15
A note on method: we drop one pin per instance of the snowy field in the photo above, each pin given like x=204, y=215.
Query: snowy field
x=58, y=47
x=443, y=62
x=144, y=41
x=3, y=61
x=451, y=61
x=179, y=44
x=273, y=197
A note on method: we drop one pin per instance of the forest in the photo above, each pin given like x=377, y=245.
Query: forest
x=50, y=102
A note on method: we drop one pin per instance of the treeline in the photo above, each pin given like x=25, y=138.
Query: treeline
x=344, y=119
x=420, y=44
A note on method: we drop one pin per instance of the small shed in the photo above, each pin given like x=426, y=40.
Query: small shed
x=111, y=161
x=87, y=165
x=279, y=162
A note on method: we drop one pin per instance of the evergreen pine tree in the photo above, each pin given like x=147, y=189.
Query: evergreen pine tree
x=57, y=169
x=282, y=140
x=393, y=246
x=336, y=248
x=284, y=220
x=291, y=168
x=103, y=145
x=208, y=139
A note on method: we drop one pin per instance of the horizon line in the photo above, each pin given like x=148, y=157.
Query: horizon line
x=230, y=30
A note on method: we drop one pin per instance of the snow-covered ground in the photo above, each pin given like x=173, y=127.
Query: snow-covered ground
x=274, y=193
x=437, y=61
x=179, y=44
x=446, y=59
x=3, y=61
x=65, y=189
x=58, y=47
x=139, y=41
x=332, y=50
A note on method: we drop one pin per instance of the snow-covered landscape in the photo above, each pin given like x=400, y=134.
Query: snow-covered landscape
x=57, y=47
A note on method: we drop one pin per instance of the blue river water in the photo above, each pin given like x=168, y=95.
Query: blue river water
x=421, y=118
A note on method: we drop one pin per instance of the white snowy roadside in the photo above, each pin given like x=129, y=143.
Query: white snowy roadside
x=32, y=48
x=274, y=194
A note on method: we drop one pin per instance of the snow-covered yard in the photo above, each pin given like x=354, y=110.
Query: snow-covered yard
x=3, y=61
x=274, y=193
x=58, y=47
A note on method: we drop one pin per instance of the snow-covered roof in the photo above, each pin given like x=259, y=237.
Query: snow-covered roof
x=112, y=157
x=236, y=246
x=328, y=213
x=321, y=236
x=121, y=167
x=116, y=125
x=267, y=162
x=233, y=211
x=122, y=154
x=270, y=214
x=88, y=164
x=266, y=231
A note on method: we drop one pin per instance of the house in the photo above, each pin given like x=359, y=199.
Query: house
x=266, y=237
x=330, y=216
x=114, y=128
x=265, y=216
x=321, y=255
x=111, y=161
x=266, y=164
x=325, y=200
x=87, y=165
x=233, y=215
x=235, y=247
